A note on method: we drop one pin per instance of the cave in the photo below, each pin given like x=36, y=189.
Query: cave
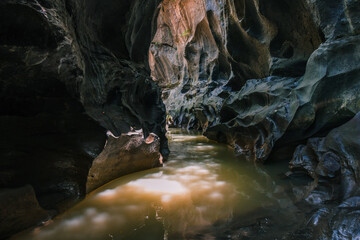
x=179, y=119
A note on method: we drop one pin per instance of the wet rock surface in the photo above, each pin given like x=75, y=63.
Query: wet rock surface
x=254, y=118
x=202, y=58
x=333, y=164
x=123, y=155
x=262, y=76
x=333, y=159
x=213, y=58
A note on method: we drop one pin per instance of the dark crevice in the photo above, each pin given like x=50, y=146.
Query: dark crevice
x=23, y=26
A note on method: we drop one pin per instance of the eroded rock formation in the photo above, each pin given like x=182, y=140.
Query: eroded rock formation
x=70, y=70
x=264, y=77
x=254, y=118
x=260, y=75
x=47, y=140
x=206, y=53
x=123, y=155
x=333, y=163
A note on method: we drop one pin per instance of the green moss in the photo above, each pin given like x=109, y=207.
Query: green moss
x=186, y=33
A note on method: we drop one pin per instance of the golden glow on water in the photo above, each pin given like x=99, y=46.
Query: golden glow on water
x=201, y=185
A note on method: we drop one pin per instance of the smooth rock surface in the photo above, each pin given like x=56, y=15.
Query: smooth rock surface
x=259, y=75
x=254, y=118
x=123, y=155
x=334, y=165
x=206, y=54
x=333, y=157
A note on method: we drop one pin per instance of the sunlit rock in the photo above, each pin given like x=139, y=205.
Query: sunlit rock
x=122, y=155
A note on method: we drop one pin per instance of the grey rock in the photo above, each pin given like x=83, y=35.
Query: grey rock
x=256, y=117
x=333, y=157
x=336, y=18
x=346, y=225
x=352, y=202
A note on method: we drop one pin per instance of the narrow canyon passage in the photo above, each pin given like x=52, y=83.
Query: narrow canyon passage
x=202, y=192
x=89, y=87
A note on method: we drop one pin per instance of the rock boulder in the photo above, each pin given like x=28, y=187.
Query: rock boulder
x=123, y=155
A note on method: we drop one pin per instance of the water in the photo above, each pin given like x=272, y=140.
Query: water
x=202, y=192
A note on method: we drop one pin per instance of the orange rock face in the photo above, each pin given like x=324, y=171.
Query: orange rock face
x=202, y=46
x=205, y=55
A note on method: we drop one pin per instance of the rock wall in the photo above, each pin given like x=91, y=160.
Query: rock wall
x=21, y=209
x=274, y=79
x=259, y=75
x=47, y=140
x=303, y=56
x=69, y=71
x=334, y=165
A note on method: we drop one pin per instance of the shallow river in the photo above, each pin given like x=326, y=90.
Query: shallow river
x=202, y=192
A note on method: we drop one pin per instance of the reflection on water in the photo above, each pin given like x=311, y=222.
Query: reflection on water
x=201, y=186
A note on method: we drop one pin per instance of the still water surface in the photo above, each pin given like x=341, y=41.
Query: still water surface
x=202, y=192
